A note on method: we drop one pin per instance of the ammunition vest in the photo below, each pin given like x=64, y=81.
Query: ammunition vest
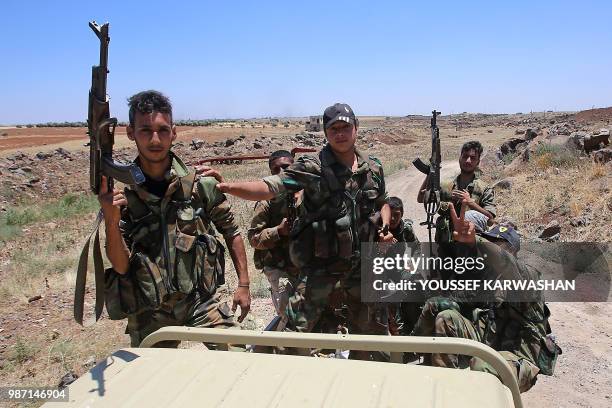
x=333, y=221
x=174, y=252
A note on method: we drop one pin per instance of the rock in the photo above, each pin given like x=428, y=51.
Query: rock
x=34, y=298
x=43, y=156
x=504, y=184
x=576, y=140
x=196, y=144
x=596, y=142
x=229, y=142
x=579, y=221
x=519, y=132
x=602, y=156
x=530, y=134
x=90, y=362
x=55, y=334
x=257, y=145
x=20, y=172
x=550, y=231
x=509, y=146
x=60, y=151
x=489, y=131
x=67, y=379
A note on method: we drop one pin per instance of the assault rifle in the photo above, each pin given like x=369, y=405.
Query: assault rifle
x=240, y=159
x=432, y=192
x=101, y=127
x=101, y=130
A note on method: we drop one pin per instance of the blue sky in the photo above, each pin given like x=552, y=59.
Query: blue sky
x=254, y=59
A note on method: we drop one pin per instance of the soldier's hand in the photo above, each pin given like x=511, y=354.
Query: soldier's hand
x=207, y=171
x=242, y=298
x=463, y=231
x=111, y=201
x=462, y=196
x=283, y=228
x=388, y=238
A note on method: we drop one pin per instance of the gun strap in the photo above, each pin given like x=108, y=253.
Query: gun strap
x=81, y=275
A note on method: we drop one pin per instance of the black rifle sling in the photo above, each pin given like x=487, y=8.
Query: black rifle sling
x=81, y=275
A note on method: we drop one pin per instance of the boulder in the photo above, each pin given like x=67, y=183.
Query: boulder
x=504, y=184
x=530, y=134
x=551, y=231
x=603, y=155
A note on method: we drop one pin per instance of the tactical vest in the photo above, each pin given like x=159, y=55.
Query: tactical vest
x=333, y=221
x=174, y=252
x=279, y=255
x=443, y=222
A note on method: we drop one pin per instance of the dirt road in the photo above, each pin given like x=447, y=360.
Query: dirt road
x=405, y=184
x=583, y=376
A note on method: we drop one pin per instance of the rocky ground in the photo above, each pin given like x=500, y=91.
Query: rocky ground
x=546, y=184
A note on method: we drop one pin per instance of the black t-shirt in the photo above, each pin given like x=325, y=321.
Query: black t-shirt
x=155, y=187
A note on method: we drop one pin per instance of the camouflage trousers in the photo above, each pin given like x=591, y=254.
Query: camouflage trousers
x=441, y=317
x=322, y=303
x=282, y=286
x=181, y=310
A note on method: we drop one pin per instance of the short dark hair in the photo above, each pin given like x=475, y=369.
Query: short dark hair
x=277, y=155
x=147, y=102
x=473, y=144
x=396, y=204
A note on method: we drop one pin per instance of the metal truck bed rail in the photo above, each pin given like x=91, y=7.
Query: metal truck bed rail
x=399, y=344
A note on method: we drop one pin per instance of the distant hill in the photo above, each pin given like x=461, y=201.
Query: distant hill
x=595, y=114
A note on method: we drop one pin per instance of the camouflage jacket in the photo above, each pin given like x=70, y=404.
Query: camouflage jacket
x=174, y=249
x=505, y=323
x=482, y=194
x=338, y=211
x=271, y=249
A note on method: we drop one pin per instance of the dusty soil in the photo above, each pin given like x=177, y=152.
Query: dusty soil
x=583, y=377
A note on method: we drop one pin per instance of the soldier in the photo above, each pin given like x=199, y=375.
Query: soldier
x=518, y=330
x=343, y=190
x=269, y=236
x=167, y=262
x=402, y=316
x=467, y=186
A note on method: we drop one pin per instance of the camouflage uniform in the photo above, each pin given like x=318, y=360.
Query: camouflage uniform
x=272, y=250
x=479, y=191
x=517, y=330
x=176, y=260
x=338, y=212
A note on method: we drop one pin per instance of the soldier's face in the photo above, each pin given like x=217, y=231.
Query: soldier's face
x=469, y=160
x=153, y=134
x=396, y=217
x=341, y=136
x=280, y=164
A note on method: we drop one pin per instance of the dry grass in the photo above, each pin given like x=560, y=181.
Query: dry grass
x=559, y=185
